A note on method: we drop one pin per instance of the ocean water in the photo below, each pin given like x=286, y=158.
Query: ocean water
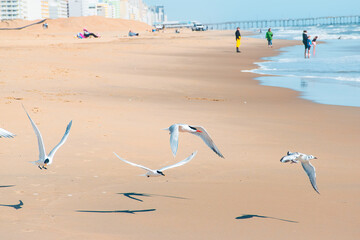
x=331, y=76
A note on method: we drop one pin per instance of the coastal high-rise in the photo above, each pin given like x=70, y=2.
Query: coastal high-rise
x=40, y=9
x=20, y=9
x=58, y=9
x=10, y=9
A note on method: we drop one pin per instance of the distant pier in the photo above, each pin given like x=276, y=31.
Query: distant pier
x=299, y=22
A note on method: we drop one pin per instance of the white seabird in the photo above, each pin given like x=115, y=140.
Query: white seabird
x=44, y=159
x=295, y=157
x=159, y=172
x=196, y=130
x=6, y=134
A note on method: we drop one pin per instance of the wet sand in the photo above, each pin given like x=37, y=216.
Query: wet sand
x=120, y=94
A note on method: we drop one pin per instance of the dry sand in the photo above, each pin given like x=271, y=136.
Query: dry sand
x=120, y=93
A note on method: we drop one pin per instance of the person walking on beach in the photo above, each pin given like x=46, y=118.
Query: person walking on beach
x=308, y=46
x=305, y=38
x=238, y=38
x=314, y=44
x=269, y=37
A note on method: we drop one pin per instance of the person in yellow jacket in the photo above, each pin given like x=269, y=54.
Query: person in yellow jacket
x=238, y=38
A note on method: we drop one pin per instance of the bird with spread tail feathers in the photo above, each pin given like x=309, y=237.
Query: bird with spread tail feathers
x=6, y=134
x=295, y=157
x=44, y=159
x=196, y=130
x=159, y=172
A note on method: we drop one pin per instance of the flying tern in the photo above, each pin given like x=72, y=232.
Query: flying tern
x=44, y=159
x=295, y=157
x=158, y=172
x=6, y=134
x=196, y=130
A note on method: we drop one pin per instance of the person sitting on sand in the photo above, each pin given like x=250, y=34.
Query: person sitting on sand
x=132, y=34
x=88, y=34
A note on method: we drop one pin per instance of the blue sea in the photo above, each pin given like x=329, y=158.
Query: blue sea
x=332, y=76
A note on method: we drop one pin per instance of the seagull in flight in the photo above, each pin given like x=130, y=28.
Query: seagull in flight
x=295, y=157
x=44, y=159
x=6, y=134
x=159, y=172
x=196, y=130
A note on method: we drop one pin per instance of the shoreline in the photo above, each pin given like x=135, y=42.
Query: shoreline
x=120, y=94
x=322, y=84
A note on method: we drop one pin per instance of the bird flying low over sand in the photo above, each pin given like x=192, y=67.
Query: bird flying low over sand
x=196, y=130
x=44, y=159
x=159, y=172
x=6, y=134
x=295, y=157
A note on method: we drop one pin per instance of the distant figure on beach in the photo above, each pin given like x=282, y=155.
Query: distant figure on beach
x=80, y=35
x=305, y=38
x=308, y=46
x=88, y=34
x=238, y=38
x=132, y=34
x=269, y=36
x=45, y=26
x=314, y=44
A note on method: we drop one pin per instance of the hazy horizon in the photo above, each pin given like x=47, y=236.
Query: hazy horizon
x=233, y=10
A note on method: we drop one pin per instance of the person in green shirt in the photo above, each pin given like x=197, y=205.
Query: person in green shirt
x=269, y=36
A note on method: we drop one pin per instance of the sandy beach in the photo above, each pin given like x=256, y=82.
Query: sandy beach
x=120, y=93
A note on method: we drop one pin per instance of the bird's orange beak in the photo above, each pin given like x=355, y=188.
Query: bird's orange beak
x=198, y=131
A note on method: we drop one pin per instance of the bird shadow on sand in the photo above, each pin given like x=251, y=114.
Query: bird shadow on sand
x=134, y=196
x=5, y=186
x=15, y=206
x=119, y=211
x=248, y=216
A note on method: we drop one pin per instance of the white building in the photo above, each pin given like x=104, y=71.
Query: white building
x=58, y=9
x=10, y=9
x=20, y=9
x=105, y=10
x=78, y=8
x=40, y=9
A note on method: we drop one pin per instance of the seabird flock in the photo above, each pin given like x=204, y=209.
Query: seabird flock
x=174, y=130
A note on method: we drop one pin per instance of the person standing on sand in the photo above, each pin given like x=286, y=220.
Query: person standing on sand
x=308, y=46
x=269, y=36
x=305, y=38
x=238, y=38
x=314, y=44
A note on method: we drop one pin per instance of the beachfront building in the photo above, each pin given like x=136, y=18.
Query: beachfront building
x=20, y=9
x=10, y=9
x=58, y=9
x=104, y=10
x=45, y=9
x=78, y=8
x=40, y=9
x=125, y=9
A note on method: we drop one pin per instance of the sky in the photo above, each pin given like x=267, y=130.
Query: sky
x=211, y=11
